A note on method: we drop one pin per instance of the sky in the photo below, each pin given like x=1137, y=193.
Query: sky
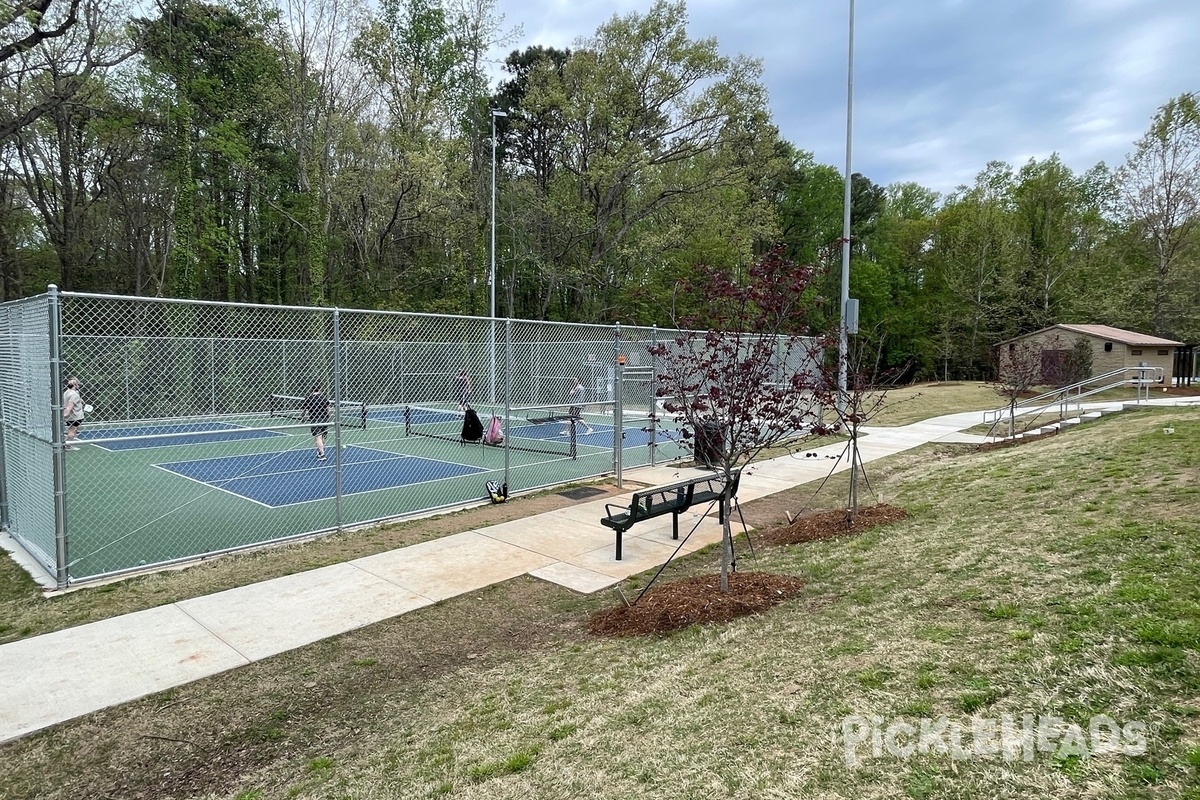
x=941, y=87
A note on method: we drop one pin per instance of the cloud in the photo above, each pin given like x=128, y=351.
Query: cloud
x=940, y=88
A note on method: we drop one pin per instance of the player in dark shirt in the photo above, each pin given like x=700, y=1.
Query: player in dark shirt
x=316, y=409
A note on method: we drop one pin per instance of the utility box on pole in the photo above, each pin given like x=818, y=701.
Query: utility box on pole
x=851, y=315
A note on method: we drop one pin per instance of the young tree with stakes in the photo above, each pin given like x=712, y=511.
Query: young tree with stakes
x=746, y=376
x=867, y=385
x=1021, y=366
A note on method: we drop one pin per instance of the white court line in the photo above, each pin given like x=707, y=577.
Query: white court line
x=477, y=470
x=184, y=436
x=211, y=487
x=219, y=485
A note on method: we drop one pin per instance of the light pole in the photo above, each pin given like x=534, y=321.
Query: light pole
x=844, y=327
x=849, y=307
x=492, y=271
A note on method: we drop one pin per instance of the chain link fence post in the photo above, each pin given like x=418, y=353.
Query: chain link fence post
x=61, y=538
x=339, y=517
x=508, y=390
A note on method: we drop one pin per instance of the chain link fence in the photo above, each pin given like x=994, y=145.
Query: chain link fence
x=202, y=434
x=27, y=465
x=199, y=436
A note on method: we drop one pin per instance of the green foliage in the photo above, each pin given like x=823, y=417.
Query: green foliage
x=349, y=160
x=1078, y=365
x=658, y=141
x=1160, y=190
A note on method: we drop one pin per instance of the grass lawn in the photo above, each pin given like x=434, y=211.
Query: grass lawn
x=908, y=404
x=1056, y=579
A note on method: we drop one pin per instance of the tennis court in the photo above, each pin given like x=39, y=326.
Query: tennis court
x=215, y=485
x=199, y=439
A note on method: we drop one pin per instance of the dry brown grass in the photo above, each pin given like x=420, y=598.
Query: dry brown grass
x=908, y=404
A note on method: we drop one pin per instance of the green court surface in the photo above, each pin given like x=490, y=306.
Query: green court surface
x=153, y=493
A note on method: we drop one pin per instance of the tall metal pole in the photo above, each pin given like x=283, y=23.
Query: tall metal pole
x=843, y=337
x=492, y=270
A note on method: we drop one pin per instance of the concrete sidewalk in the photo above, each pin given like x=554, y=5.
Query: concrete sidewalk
x=52, y=678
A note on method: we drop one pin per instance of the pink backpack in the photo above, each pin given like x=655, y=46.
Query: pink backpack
x=494, y=434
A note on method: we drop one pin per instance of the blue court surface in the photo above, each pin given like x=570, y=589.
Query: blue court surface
x=397, y=415
x=600, y=435
x=172, y=434
x=296, y=476
x=446, y=424
x=635, y=437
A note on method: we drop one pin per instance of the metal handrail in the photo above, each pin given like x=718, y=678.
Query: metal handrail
x=1143, y=379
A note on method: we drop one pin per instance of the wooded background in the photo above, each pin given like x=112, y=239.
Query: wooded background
x=319, y=152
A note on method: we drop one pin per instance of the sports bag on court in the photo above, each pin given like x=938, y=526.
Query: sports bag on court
x=472, y=430
x=494, y=435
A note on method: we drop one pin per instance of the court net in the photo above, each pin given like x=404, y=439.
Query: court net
x=552, y=436
x=348, y=412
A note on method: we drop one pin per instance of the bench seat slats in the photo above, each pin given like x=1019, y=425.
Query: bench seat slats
x=672, y=498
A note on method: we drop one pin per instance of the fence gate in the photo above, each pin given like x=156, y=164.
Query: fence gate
x=1185, y=365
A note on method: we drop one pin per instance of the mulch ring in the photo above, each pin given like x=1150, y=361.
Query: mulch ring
x=672, y=606
x=818, y=525
x=1003, y=443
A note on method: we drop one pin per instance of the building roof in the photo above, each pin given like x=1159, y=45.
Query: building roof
x=1106, y=332
x=1119, y=335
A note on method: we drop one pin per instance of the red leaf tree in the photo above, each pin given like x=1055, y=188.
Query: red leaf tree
x=746, y=376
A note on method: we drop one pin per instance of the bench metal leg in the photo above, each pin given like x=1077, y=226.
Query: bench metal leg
x=618, y=545
x=675, y=525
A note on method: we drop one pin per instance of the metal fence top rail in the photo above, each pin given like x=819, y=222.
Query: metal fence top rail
x=357, y=311
x=614, y=326
x=33, y=299
x=257, y=306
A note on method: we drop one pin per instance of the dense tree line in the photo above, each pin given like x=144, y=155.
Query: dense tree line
x=323, y=152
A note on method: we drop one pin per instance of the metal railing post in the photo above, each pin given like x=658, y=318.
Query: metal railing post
x=4, y=523
x=619, y=409
x=4, y=512
x=653, y=410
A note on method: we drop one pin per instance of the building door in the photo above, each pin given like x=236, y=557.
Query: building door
x=1054, y=367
